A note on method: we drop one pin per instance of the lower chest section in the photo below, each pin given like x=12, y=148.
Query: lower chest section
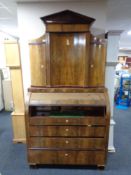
x=83, y=143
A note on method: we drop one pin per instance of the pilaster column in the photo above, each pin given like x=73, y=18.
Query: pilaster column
x=111, y=61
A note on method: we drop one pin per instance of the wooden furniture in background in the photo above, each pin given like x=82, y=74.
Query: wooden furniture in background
x=12, y=53
x=67, y=118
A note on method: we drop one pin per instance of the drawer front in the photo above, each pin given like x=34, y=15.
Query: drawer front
x=67, y=143
x=66, y=157
x=67, y=131
x=67, y=121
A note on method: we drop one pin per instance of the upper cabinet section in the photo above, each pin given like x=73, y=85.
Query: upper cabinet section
x=67, y=21
x=67, y=55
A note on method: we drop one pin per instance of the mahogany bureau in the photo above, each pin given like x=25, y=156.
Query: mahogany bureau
x=68, y=114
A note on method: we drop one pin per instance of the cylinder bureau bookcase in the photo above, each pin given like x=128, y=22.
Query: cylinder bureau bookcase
x=68, y=114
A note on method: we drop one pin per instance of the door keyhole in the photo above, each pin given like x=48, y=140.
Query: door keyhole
x=67, y=42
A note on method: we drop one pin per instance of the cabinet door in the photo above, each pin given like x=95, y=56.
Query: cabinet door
x=37, y=63
x=69, y=59
x=97, y=65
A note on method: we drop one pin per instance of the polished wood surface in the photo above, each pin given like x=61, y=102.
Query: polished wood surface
x=67, y=143
x=67, y=131
x=69, y=58
x=67, y=28
x=60, y=89
x=97, y=64
x=96, y=99
x=90, y=120
x=37, y=62
x=48, y=60
x=67, y=157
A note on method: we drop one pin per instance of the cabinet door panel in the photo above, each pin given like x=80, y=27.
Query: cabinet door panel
x=37, y=63
x=97, y=65
x=69, y=59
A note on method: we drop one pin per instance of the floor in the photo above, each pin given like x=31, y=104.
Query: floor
x=13, y=156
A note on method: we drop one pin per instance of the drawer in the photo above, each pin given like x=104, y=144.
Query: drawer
x=67, y=121
x=67, y=131
x=66, y=157
x=67, y=143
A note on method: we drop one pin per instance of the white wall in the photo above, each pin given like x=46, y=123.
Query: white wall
x=2, y=51
x=113, y=48
x=112, y=56
x=30, y=25
x=2, y=56
x=124, y=54
x=29, y=14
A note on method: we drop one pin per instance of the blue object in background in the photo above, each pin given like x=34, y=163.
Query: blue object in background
x=122, y=107
x=123, y=101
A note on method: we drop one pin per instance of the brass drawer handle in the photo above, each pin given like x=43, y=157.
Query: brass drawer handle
x=67, y=129
x=66, y=154
x=66, y=141
x=67, y=121
x=89, y=125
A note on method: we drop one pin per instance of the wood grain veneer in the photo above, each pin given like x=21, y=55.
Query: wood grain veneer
x=68, y=113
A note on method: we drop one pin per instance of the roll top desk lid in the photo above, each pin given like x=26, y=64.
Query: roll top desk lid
x=67, y=99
